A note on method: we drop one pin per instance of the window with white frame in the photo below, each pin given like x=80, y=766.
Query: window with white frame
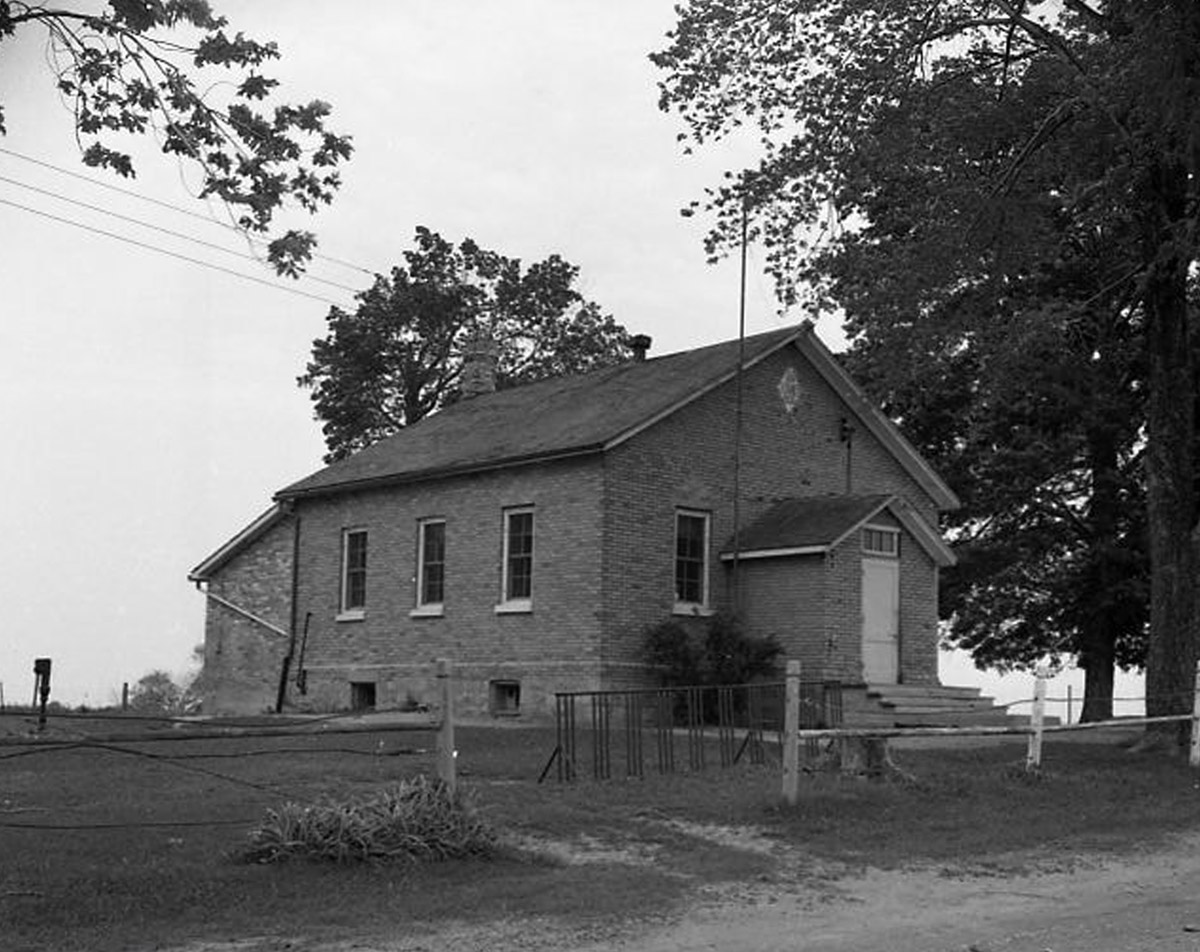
x=518, y=558
x=431, y=564
x=880, y=540
x=691, y=559
x=354, y=571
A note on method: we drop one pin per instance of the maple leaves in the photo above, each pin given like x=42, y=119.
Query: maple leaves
x=142, y=66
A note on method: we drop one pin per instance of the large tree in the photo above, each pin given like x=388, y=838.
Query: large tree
x=816, y=75
x=1013, y=354
x=398, y=356
x=169, y=67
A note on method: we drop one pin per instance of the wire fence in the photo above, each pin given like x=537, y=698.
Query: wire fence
x=189, y=773
x=48, y=757
x=795, y=733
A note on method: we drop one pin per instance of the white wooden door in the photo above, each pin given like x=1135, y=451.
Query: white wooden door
x=880, y=620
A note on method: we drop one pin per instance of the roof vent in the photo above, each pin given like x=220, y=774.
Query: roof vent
x=639, y=344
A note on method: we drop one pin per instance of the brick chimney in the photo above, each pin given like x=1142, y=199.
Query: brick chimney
x=639, y=344
x=480, y=356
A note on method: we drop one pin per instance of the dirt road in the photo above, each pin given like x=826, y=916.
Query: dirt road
x=1149, y=901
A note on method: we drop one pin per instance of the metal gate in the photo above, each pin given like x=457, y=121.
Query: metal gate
x=678, y=728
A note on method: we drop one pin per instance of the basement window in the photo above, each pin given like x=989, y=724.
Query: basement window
x=504, y=698
x=362, y=695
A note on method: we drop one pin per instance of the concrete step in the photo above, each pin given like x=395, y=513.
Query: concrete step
x=937, y=704
x=923, y=690
x=993, y=718
x=920, y=705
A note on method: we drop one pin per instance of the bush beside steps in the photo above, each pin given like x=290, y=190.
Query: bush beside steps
x=419, y=819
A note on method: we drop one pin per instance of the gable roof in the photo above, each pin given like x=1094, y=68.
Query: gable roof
x=816, y=525
x=263, y=524
x=876, y=422
x=550, y=419
x=589, y=413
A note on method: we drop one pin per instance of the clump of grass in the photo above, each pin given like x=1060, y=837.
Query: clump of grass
x=420, y=819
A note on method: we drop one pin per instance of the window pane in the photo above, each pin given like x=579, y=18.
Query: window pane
x=880, y=541
x=433, y=592
x=433, y=563
x=519, y=565
x=354, y=571
x=690, y=557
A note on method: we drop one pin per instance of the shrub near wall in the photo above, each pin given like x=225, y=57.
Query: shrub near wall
x=714, y=652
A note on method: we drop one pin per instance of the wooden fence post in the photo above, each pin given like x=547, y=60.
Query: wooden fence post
x=791, y=735
x=1033, y=759
x=1194, y=753
x=445, y=735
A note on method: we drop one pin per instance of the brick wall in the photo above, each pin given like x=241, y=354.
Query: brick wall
x=687, y=460
x=603, y=562
x=786, y=599
x=555, y=646
x=242, y=659
x=918, y=615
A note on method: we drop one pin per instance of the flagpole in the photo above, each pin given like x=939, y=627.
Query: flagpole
x=737, y=426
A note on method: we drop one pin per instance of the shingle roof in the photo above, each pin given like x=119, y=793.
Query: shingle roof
x=815, y=523
x=564, y=416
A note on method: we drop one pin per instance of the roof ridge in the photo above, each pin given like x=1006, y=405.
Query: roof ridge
x=560, y=416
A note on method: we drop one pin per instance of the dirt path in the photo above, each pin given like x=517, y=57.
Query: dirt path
x=1146, y=902
x=1150, y=902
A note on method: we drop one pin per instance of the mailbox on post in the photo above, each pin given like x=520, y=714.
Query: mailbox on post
x=41, y=688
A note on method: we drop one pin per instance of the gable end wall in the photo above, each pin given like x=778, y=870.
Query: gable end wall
x=687, y=460
x=242, y=659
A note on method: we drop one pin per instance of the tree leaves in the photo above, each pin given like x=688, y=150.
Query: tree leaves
x=398, y=357
x=956, y=171
x=124, y=76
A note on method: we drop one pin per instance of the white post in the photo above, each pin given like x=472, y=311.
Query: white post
x=445, y=735
x=1033, y=759
x=1194, y=753
x=791, y=735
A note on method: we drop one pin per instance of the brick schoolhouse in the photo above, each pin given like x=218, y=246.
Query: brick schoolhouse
x=533, y=534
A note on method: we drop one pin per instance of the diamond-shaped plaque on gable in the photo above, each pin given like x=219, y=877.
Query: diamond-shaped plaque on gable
x=789, y=390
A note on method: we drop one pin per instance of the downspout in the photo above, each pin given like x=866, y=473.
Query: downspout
x=846, y=434
x=737, y=424
x=281, y=696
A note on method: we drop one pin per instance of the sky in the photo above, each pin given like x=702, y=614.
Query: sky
x=150, y=403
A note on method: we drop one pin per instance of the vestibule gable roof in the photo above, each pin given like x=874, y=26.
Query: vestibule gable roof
x=818, y=524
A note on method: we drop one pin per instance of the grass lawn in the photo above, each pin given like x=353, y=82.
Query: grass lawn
x=143, y=850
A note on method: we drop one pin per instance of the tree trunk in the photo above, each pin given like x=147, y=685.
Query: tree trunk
x=1099, y=624
x=1170, y=434
x=1170, y=52
x=1171, y=653
x=1099, y=669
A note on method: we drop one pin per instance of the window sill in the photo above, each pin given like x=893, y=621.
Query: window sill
x=523, y=606
x=427, y=611
x=356, y=614
x=692, y=609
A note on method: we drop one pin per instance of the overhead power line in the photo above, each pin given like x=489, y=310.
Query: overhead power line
x=165, y=231
x=175, y=208
x=171, y=254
